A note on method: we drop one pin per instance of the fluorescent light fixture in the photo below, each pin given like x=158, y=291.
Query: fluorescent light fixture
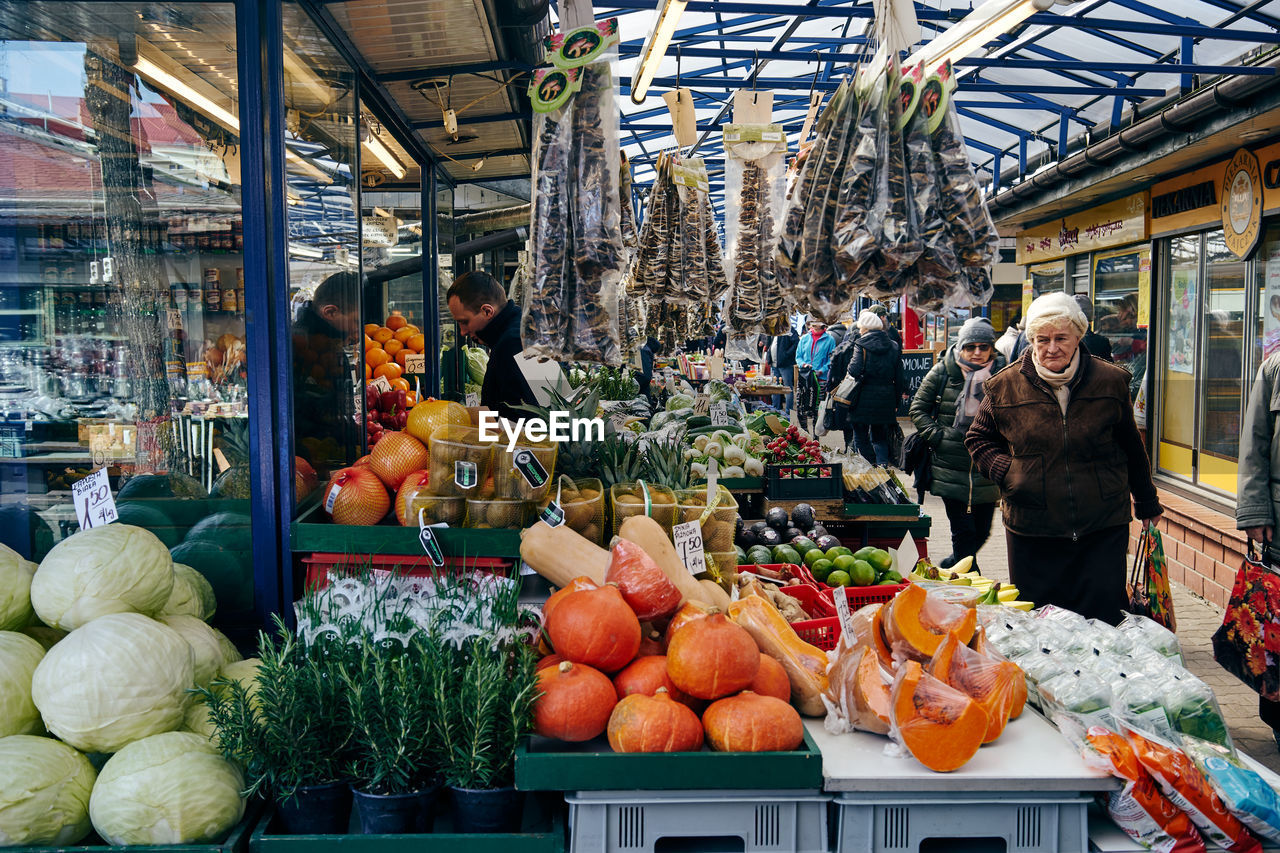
x=303, y=76
x=991, y=19
x=380, y=152
x=479, y=164
x=655, y=48
x=300, y=251
x=307, y=167
x=166, y=80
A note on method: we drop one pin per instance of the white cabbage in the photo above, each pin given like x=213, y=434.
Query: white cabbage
x=19, y=656
x=192, y=595
x=44, y=792
x=120, y=678
x=206, y=648
x=197, y=719
x=15, y=590
x=169, y=788
x=115, y=568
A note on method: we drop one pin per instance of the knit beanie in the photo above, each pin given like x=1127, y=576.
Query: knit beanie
x=1052, y=308
x=976, y=330
x=869, y=322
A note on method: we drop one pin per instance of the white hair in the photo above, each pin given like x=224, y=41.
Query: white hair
x=1053, y=309
x=869, y=321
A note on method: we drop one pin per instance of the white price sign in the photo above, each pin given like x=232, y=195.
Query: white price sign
x=381, y=384
x=720, y=414
x=688, y=540
x=416, y=363
x=473, y=400
x=842, y=609
x=95, y=506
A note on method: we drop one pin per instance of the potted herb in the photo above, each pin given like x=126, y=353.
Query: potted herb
x=289, y=731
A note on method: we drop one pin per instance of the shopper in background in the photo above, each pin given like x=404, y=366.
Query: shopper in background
x=815, y=350
x=890, y=327
x=840, y=358
x=782, y=363
x=1005, y=344
x=1258, y=481
x=838, y=331
x=942, y=409
x=324, y=413
x=481, y=309
x=1056, y=433
x=650, y=348
x=882, y=383
x=1096, y=344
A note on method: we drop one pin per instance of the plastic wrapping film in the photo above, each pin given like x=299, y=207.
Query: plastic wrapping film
x=942, y=727
x=1244, y=792
x=755, y=184
x=1138, y=808
x=583, y=505
x=1151, y=634
x=645, y=587
x=857, y=693
x=629, y=236
x=1187, y=788
x=993, y=683
x=1193, y=709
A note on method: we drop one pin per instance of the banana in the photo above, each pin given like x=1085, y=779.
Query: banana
x=989, y=597
x=1020, y=605
x=958, y=581
x=963, y=565
x=1008, y=593
x=970, y=574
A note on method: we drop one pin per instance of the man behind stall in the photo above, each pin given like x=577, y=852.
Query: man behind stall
x=480, y=306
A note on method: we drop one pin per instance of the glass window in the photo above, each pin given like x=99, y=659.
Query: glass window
x=326, y=286
x=392, y=236
x=1046, y=278
x=1265, y=335
x=1178, y=400
x=1222, y=334
x=122, y=323
x=1118, y=279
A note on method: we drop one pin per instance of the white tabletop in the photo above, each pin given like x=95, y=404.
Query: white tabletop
x=1029, y=756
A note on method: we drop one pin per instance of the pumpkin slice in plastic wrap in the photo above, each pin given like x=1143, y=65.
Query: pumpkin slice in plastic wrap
x=858, y=690
x=806, y=664
x=990, y=683
x=940, y=726
x=918, y=622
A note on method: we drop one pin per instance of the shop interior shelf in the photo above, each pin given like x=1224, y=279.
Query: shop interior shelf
x=543, y=764
x=311, y=533
x=542, y=830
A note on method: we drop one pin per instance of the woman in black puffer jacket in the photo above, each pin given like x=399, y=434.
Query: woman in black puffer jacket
x=877, y=363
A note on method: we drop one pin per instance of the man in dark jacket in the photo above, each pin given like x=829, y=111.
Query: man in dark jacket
x=877, y=362
x=644, y=376
x=781, y=358
x=1095, y=343
x=482, y=310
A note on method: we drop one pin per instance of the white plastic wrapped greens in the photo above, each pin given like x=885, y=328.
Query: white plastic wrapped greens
x=1080, y=693
x=1151, y=634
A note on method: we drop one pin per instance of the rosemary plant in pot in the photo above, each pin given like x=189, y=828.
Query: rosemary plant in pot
x=289, y=730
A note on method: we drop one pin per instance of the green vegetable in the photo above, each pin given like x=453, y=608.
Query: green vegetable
x=169, y=788
x=15, y=590
x=679, y=401
x=19, y=656
x=44, y=792
x=206, y=646
x=192, y=595
x=477, y=364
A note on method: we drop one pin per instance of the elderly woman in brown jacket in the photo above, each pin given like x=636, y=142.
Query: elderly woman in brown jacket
x=1056, y=433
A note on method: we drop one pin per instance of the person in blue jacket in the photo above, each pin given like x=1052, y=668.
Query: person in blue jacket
x=815, y=350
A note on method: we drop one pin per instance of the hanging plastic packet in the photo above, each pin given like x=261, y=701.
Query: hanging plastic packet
x=629, y=236
x=1244, y=792
x=1138, y=807
x=820, y=289
x=1186, y=787
x=856, y=240
x=1151, y=634
x=892, y=214
x=754, y=178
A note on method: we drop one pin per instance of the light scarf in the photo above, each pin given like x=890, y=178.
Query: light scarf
x=1059, y=381
x=970, y=397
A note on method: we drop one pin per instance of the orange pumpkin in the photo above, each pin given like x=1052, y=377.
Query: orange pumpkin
x=991, y=683
x=575, y=704
x=750, y=722
x=771, y=679
x=651, y=643
x=548, y=660
x=648, y=675
x=712, y=657
x=689, y=611
x=575, y=585
x=918, y=623
x=657, y=723
x=595, y=627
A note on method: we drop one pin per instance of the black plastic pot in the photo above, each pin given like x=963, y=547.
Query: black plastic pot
x=317, y=810
x=486, y=809
x=396, y=814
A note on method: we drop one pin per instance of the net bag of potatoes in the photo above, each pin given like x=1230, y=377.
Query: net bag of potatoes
x=641, y=498
x=501, y=514
x=717, y=523
x=460, y=462
x=583, y=504
x=510, y=484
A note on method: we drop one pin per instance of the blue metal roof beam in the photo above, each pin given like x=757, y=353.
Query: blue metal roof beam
x=1250, y=11
x=832, y=85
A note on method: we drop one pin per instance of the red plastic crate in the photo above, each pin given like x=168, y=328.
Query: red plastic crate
x=319, y=564
x=861, y=596
x=823, y=633
x=811, y=600
x=797, y=570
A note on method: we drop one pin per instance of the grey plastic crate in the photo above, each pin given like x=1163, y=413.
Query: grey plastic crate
x=1020, y=823
x=749, y=821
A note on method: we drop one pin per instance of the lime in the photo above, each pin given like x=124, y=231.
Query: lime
x=838, y=578
x=880, y=559
x=835, y=551
x=865, y=553
x=891, y=577
x=812, y=556
x=821, y=569
x=862, y=573
x=844, y=563
x=885, y=581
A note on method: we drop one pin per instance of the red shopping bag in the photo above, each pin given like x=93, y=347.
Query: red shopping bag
x=1248, y=643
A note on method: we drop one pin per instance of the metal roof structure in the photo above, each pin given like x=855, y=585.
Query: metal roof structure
x=1056, y=82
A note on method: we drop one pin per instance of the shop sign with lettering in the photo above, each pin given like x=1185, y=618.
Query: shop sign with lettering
x=1113, y=224
x=1242, y=203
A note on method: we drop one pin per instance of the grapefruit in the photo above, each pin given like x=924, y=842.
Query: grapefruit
x=304, y=477
x=356, y=496
x=414, y=482
x=395, y=456
x=396, y=321
x=429, y=415
x=388, y=368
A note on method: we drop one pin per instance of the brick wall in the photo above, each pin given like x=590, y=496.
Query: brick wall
x=1202, y=548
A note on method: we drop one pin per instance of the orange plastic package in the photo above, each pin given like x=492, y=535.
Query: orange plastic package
x=916, y=622
x=991, y=683
x=644, y=586
x=938, y=724
x=1145, y=815
x=1183, y=783
x=857, y=692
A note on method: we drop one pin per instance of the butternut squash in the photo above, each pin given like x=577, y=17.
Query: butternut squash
x=559, y=554
x=715, y=594
x=806, y=665
x=649, y=535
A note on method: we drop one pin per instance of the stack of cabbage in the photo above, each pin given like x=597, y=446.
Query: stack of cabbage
x=99, y=645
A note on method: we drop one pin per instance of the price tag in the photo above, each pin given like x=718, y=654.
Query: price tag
x=720, y=414
x=175, y=318
x=842, y=609
x=94, y=503
x=331, y=498
x=688, y=541
x=530, y=468
x=427, y=538
x=552, y=515
x=473, y=400
x=380, y=384
x=465, y=474
x=415, y=363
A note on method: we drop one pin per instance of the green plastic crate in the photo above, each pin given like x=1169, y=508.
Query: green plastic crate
x=543, y=764
x=312, y=532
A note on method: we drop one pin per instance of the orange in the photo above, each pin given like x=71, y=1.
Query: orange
x=369, y=342
x=411, y=397
x=416, y=342
x=383, y=335
x=403, y=334
x=370, y=328
x=376, y=358
x=403, y=355
x=368, y=372
x=392, y=347
x=390, y=369
x=402, y=384
x=396, y=321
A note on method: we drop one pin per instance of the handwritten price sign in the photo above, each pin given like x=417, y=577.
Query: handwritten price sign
x=94, y=503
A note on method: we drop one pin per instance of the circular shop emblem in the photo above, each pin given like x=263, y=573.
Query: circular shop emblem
x=1242, y=203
